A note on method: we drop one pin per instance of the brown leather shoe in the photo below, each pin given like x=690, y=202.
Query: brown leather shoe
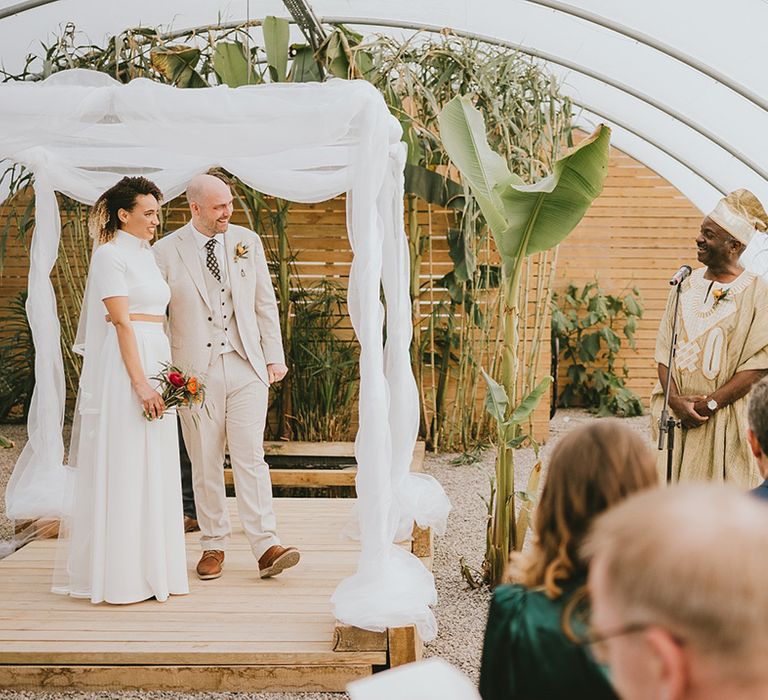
x=210, y=564
x=277, y=559
x=190, y=524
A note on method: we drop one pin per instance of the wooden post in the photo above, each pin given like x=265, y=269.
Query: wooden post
x=405, y=645
x=422, y=544
x=38, y=529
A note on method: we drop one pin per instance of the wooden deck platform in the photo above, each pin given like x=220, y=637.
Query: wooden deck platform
x=236, y=633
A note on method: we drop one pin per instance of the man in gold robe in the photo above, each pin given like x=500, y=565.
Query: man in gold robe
x=722, y=349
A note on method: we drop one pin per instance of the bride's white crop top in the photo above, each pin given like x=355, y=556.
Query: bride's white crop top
x=126, y=267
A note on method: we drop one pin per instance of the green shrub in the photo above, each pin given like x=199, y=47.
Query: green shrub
x=587, y=323
x=323, y=366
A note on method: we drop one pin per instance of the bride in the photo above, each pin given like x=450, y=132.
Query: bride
x=125, y=538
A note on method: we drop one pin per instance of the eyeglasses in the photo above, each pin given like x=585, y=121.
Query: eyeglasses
x=596, y=643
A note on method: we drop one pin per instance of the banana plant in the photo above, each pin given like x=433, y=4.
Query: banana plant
x=232, y=65
x=524, y=219
x=276, y=37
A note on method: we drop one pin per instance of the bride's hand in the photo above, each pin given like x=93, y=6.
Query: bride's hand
x=154, y=406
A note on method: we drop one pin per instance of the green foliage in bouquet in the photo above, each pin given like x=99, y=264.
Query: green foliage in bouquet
x=178, y=388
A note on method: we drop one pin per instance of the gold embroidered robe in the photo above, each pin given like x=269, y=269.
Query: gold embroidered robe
x=716, y=339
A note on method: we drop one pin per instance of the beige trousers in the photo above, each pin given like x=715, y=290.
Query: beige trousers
x=237, y=402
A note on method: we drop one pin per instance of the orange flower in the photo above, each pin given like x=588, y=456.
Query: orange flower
x=719, y=294
x=192, y=385
x=241, y=251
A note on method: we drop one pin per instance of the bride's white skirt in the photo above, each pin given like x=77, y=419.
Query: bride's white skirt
x=125, y=534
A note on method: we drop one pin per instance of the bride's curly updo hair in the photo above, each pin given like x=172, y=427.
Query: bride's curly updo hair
x=103, y=221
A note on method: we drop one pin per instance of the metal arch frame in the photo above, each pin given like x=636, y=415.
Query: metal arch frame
x=20, y=7
x=570, y=65
x=565, y=63
x=563, y=8
x=561, y=62
x=643, y=137
x=653, y=43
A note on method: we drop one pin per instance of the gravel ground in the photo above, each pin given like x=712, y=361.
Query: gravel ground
x=461, y=612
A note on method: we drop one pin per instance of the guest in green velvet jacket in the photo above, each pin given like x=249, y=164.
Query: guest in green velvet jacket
x=531, y=649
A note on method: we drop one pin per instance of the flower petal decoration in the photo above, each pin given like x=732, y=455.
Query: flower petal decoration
x=241, y=251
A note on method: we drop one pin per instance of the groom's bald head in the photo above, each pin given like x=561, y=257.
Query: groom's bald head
x=202, y=186
x=210, y=202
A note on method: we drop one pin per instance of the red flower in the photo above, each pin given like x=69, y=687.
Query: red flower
x=176, y=379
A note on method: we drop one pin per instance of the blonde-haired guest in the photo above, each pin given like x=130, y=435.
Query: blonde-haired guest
x=679, y=597
x=529, y=649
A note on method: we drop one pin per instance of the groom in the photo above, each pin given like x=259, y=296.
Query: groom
x=224, y=324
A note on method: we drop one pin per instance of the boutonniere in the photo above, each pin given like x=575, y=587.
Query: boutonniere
x=719, y=295
x=241, y=251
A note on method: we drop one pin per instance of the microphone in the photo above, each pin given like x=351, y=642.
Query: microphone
x=680, y=275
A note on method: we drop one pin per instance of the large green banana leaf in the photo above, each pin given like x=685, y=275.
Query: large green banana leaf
x=276, y=37
x=462, y=130
x=524, y=219
x=304, y=68
x=230, y=61
x=540, y=216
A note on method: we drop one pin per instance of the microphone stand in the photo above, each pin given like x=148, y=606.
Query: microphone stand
x=667, y=422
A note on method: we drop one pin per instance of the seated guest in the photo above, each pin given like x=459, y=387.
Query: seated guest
x=529, y=649
x=757, y=433
x=679, y=597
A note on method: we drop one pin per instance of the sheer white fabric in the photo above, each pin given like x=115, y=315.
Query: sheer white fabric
x=79, y=132
x=409, y=682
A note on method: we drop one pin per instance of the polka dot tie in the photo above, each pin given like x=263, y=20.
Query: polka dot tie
x=210, y=260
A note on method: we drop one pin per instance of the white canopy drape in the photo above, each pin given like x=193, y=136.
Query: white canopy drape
x=80, y=131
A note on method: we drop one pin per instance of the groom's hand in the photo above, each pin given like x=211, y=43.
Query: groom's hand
x=276, y=371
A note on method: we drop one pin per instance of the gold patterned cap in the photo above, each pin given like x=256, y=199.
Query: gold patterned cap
x=741, y=214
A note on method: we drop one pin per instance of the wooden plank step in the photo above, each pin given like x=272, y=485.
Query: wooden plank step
x=312, y=477
x=249, y=678
x=151, y=653
x=299, y=448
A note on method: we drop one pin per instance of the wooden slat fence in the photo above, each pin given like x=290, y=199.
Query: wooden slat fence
x=637, y=233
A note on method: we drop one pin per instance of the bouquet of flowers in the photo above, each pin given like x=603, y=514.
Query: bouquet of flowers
x=178, y=388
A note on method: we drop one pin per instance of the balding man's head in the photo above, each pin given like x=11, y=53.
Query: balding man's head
x=210, y=202
x=679, y=584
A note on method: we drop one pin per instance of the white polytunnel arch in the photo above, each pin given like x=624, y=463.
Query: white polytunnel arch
x=681, y=82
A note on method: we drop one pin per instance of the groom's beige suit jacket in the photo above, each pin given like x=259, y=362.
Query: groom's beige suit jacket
x=190, y=311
